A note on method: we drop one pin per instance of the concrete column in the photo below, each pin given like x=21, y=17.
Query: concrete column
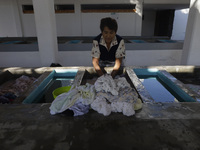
x=191, y=48
x=46, y=31
x=17, y=18
x=139, y=11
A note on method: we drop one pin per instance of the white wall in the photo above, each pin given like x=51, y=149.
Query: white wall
x=179, y=26
x=68, y=24
x=133, y=58
x=153, y=57
x=191, y=48
x=20, y=59
x=7, y=19
x=29, y=29
x=27, y=20
x=83, y=58
x=126, y=23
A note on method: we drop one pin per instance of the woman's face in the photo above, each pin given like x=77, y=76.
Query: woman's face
x=108, y=35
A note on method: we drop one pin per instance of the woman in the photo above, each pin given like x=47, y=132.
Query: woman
x=108, y=48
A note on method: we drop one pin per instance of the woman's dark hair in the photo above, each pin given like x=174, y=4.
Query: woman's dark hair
x=110, y=23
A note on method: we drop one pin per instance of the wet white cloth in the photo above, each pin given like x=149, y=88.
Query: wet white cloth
x=126, y=101
x=107, y=84
x=126, y=108
x=79, y=108
x=101, y=106
x=64, y=101
x=121, y=83
x=76, y=99
x=87, y=93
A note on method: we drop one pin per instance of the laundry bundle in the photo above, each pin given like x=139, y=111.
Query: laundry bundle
x=105, y=96
x=77, y=99
x=115, y=95
x=13, y=89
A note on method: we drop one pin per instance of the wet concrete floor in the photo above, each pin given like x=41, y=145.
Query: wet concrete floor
x=156, y=126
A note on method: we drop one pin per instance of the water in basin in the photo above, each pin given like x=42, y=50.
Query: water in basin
x=158, y=92
x=161, y=88
x=56, y=79
x=46, y=96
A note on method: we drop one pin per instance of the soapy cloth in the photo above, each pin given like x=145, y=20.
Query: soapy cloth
x=64, y=101
x=115, y=95
x=79, y=108
x=101, y=106
x=87, y=93
x=77, y=99
x=107, y=84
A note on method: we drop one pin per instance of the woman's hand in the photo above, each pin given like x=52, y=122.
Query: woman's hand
x=95, y=62
x=116, y=67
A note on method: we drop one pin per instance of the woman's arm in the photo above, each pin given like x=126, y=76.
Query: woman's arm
x=116, y=67
x=95, y=62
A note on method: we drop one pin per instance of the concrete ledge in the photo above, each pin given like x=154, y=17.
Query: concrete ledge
x=156, y=126
x=129, y=46
x=88, y=47
x=18, y=47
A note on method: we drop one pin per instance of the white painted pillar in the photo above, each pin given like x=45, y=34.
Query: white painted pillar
x=191, y=47
x=17, y=18
x=46, y=31
x=139, y=11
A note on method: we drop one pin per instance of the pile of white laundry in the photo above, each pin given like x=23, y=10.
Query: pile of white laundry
x=77, y=99
x=115, y=95
x=105, y=96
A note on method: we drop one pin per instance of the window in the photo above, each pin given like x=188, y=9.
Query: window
x=27, y=9
x=108, y=8
x=64, y=8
